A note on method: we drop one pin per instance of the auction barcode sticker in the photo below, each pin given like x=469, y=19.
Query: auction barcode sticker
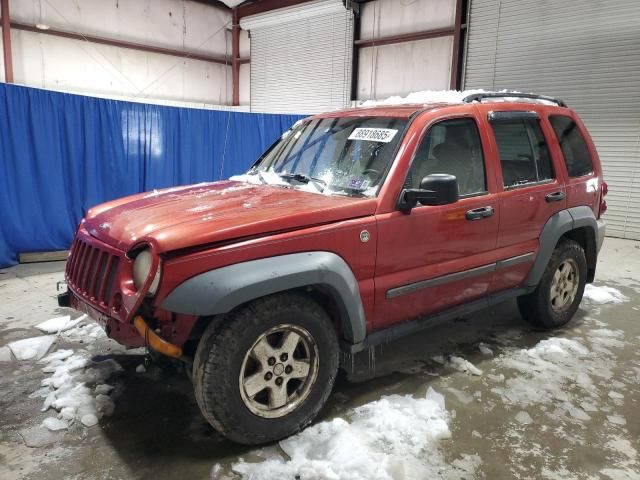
x=384, y=135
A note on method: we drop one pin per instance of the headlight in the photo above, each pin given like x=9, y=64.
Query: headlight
x=141, y=268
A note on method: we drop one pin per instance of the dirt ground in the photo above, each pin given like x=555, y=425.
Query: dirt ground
x=530, y=404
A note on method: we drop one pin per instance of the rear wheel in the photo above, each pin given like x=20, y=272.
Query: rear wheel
x=557, y=297
x=266, y=370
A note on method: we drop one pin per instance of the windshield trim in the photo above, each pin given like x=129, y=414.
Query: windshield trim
x=394, y=154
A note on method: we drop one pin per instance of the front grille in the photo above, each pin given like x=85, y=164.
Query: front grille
x=91, y=271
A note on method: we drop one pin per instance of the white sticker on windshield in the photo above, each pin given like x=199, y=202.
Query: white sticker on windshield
x=384, y=135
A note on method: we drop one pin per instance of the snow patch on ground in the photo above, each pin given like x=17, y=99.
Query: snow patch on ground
x=5, y=354
x=600, y=295
x=84, y=333
x=54, y=424
x=32, y=348
x=484, y=348
x=70, y=389
x=391, y=438
x=545, y=372
x=463, y=365
x=59, y=324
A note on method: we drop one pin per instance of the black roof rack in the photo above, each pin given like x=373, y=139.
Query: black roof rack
x=478, y=97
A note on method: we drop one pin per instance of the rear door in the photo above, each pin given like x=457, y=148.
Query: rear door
x=532, y=189
x=435, y=257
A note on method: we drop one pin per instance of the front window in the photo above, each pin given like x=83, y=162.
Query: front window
x=333, y=156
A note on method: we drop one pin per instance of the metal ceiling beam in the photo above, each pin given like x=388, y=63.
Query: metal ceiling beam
x=265, y=6
x=6, y=41
x=405, y=37
x=122, y=44
x=215, y=4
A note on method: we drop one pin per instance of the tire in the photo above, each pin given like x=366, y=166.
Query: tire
x=234, y=360
x=554, y=302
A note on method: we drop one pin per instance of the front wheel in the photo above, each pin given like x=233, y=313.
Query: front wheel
x=266, y=370
x=557, y=297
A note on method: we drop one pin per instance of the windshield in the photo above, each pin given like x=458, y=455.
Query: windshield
x=342, y=156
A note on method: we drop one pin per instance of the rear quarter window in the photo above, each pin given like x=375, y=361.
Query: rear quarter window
x=574, y=147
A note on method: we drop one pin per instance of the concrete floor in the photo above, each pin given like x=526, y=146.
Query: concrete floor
x=580, y=420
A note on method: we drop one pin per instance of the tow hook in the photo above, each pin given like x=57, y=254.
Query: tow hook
x=152, y=340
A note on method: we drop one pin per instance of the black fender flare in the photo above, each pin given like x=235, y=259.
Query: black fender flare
x=560, y=223
x=223, y=289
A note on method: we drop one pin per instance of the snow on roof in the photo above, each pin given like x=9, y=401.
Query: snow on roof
x=445, y=96
x=425, y=96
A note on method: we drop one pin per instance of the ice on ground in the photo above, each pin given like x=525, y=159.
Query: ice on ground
x=615, y=395
x=89, y=420
x=484, y=348
x=69, y=389
x=601, y=295
x=55, y=424
x=141, y=369
x=5, y=354
x=394, y=437
x=59, y=324
x=87, y=333
x=463, y=365
x=617, y=419
x=544, y=371
x=523, y=418
x=32, y=348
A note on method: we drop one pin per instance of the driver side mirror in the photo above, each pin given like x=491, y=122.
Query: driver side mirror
x=435, y=189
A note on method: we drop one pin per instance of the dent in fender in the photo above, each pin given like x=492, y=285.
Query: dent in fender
x=221, y=290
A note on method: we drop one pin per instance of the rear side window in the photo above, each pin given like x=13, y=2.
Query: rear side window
x=574, y=147
x=524, y=155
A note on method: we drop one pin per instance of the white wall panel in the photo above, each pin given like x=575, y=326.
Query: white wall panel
x=394, y=17
x=177, y=24
x=47, y=61
x=245, y=84
x=585, y=52
x=56, y=63
x=402, y=68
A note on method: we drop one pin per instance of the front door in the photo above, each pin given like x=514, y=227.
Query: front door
x=436, y=257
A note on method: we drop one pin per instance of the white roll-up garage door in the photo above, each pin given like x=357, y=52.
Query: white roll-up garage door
x=301, y=58
x=585, y=52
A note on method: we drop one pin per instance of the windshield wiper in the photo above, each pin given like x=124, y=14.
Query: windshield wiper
x=319, y=183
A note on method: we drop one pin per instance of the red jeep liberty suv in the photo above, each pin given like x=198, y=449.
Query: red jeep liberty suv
x=356, y=227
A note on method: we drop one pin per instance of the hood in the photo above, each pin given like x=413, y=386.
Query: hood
x=183, y=217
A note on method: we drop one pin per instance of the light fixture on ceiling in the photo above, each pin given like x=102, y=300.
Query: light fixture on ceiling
x=40, y=25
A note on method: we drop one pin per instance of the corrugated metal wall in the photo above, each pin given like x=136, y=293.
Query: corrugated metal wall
x=584, y=51
x=301, y=63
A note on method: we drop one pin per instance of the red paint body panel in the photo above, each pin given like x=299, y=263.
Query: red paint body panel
x=178, y=218
x=195, y=229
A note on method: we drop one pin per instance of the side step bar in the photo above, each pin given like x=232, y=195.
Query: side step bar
x=407, y=328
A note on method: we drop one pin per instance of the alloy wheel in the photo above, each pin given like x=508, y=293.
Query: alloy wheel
x=278, y=371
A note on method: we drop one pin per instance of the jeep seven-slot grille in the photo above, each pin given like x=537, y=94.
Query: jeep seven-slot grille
x=92, y=271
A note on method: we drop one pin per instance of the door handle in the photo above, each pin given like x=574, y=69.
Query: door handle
x=555, y=197
x=479, y=213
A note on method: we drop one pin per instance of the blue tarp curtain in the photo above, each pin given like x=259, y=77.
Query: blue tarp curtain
x=60, y=154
